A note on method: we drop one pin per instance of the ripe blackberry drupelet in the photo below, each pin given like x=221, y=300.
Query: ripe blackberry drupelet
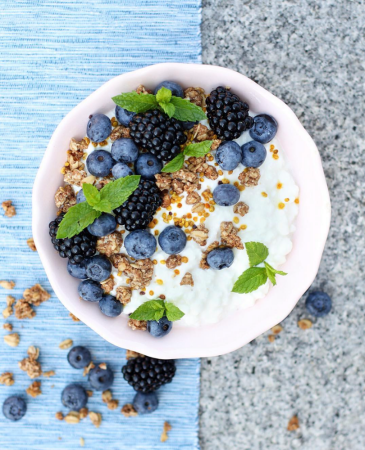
x=77, y=248
x=137, y=212
x=156, y=132
x=227, y=114
x=147, y=374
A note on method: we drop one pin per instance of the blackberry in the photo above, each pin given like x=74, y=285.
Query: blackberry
x=137, y=212
x=77, y=248
x=147, y=374
x=156, y=132
x=227, y=114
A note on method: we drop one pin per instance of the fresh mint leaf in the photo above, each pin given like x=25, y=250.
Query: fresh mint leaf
x=104, y=206
x=159, y=314
x=174, y=165
x=271, y=272
x=149, y=310
x=138, y=103
x=187, y=111
x=118, y=191
x=250, y=280
x=163, y=95
x=91, y=193
x=199, y=149
x=168, y=108
x=173, y=313
x=256, y=252
x=76, y=219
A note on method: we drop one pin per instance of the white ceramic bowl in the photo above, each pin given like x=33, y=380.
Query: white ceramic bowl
x=312, y=223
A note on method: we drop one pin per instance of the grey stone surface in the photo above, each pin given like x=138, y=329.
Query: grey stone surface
x=311, y=55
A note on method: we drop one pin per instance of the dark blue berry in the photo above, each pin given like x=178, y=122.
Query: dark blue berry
x=253, y=154
x=77, y=270
x=159, y=328
x=80, y=196
x=98, y=128
x=145, y=403
x=124, y=150
x=110, y=306
x=98, y=268
x=79, y=357
x=103, y=225
x=147, y=166
x=175, y=88
x=123, y=116
x=90, y=290
x=228, y=155
x=226, y=195
x=172, y=240
x=74, y=397
x=140, y=244
x=99, y=163
x=101, y=379
x=318, y=304
x=121, y=170
x=220, y=258
x=14, y=408
x=264, y=128
x=189, y=125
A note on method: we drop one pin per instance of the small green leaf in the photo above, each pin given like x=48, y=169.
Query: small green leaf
x=163, y=95
x=174, y=165
x=76, y=219
x=250, y=280
x=256, y=252
x=271, y=272
x=104, y=206
x=199, y=149
x=159, y=314
x=131, y=101
x=187, y=111
x=168, y=108
x=173, y=312
x=118, y=191
x=91, y=193
x=149, y=310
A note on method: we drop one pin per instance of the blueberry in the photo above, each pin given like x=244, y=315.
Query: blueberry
x=121, y=170
x=253, y=154
x=99, y=163
x=318, y=304
x=74, y=397
x=228, y=155
x=226, y=195
x=98, y=268
x=90, y=291
x=159, y=328
x=14, y=408
x=101, y=379
x=147, y=166
x=264, y=128
x=172, y=240
x=188, y=125
x=124, y=150
x=98, y=128
x=80, y=196
x=110, y=306
x=77, y=270
x=123, y=116
x=175, y=88
x=79, y=357
x=145, y=403
x=103, y=225
x=220, y=258
x=140, y=244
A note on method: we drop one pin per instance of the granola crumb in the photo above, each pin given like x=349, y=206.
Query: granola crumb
x=277, y=329
x=211, y=173
x=249, y=177
x=31, y=366
x=131, y=354
x=103, y=366
x=173, y=261
x=7, y=378
x=129, y=411
x=271, y=338
x=110, y=245
x=7, y=312
x=166, y=428
x=36, y=295
x=49, y=373
x=31, y=244
x=67, y=343
x=112, y=404
x=83, y=413
x=23, y=310
x=120, y=132
x=95, y=418
x=241, y=208
x=196, y=95
x=192, y=198
x=106, y=396
x=166, y=199
x=200, y=133
x=88, y=368
x=140, y=325
x=8, y=327
x=33, y=352
x=229, y=235
x=108, y=284
x=187, y=280
x=215, y=144
x=59, y=415
x=123, y=294
x=142, y=90
x=305, y=324
x=72, y=417
x=74, y=318
x=12, y=339
x=10, y=300
x=34, y=389
x=7, y=284
x=200, y=234
x=75, y=176
x=8, y=208
x=293, y=423
x=65, y=198
x=89, y=393
x=82, y=441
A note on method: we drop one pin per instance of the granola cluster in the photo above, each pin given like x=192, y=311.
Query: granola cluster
x=140, y=272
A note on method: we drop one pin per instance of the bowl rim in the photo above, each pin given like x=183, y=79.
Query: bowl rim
x=262, y=315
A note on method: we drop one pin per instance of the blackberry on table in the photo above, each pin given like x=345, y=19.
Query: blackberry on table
x=156, y=132
x=227, y=114
x=147, y=374
x=77, y=248
x=137, y=212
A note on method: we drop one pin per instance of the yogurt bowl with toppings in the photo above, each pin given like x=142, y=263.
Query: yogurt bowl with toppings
x=194, y=210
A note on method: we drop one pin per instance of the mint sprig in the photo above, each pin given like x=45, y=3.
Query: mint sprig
x=177, y=107
x=108, y=198
x=198, y=150
x=156, y=309
x=254, y=277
